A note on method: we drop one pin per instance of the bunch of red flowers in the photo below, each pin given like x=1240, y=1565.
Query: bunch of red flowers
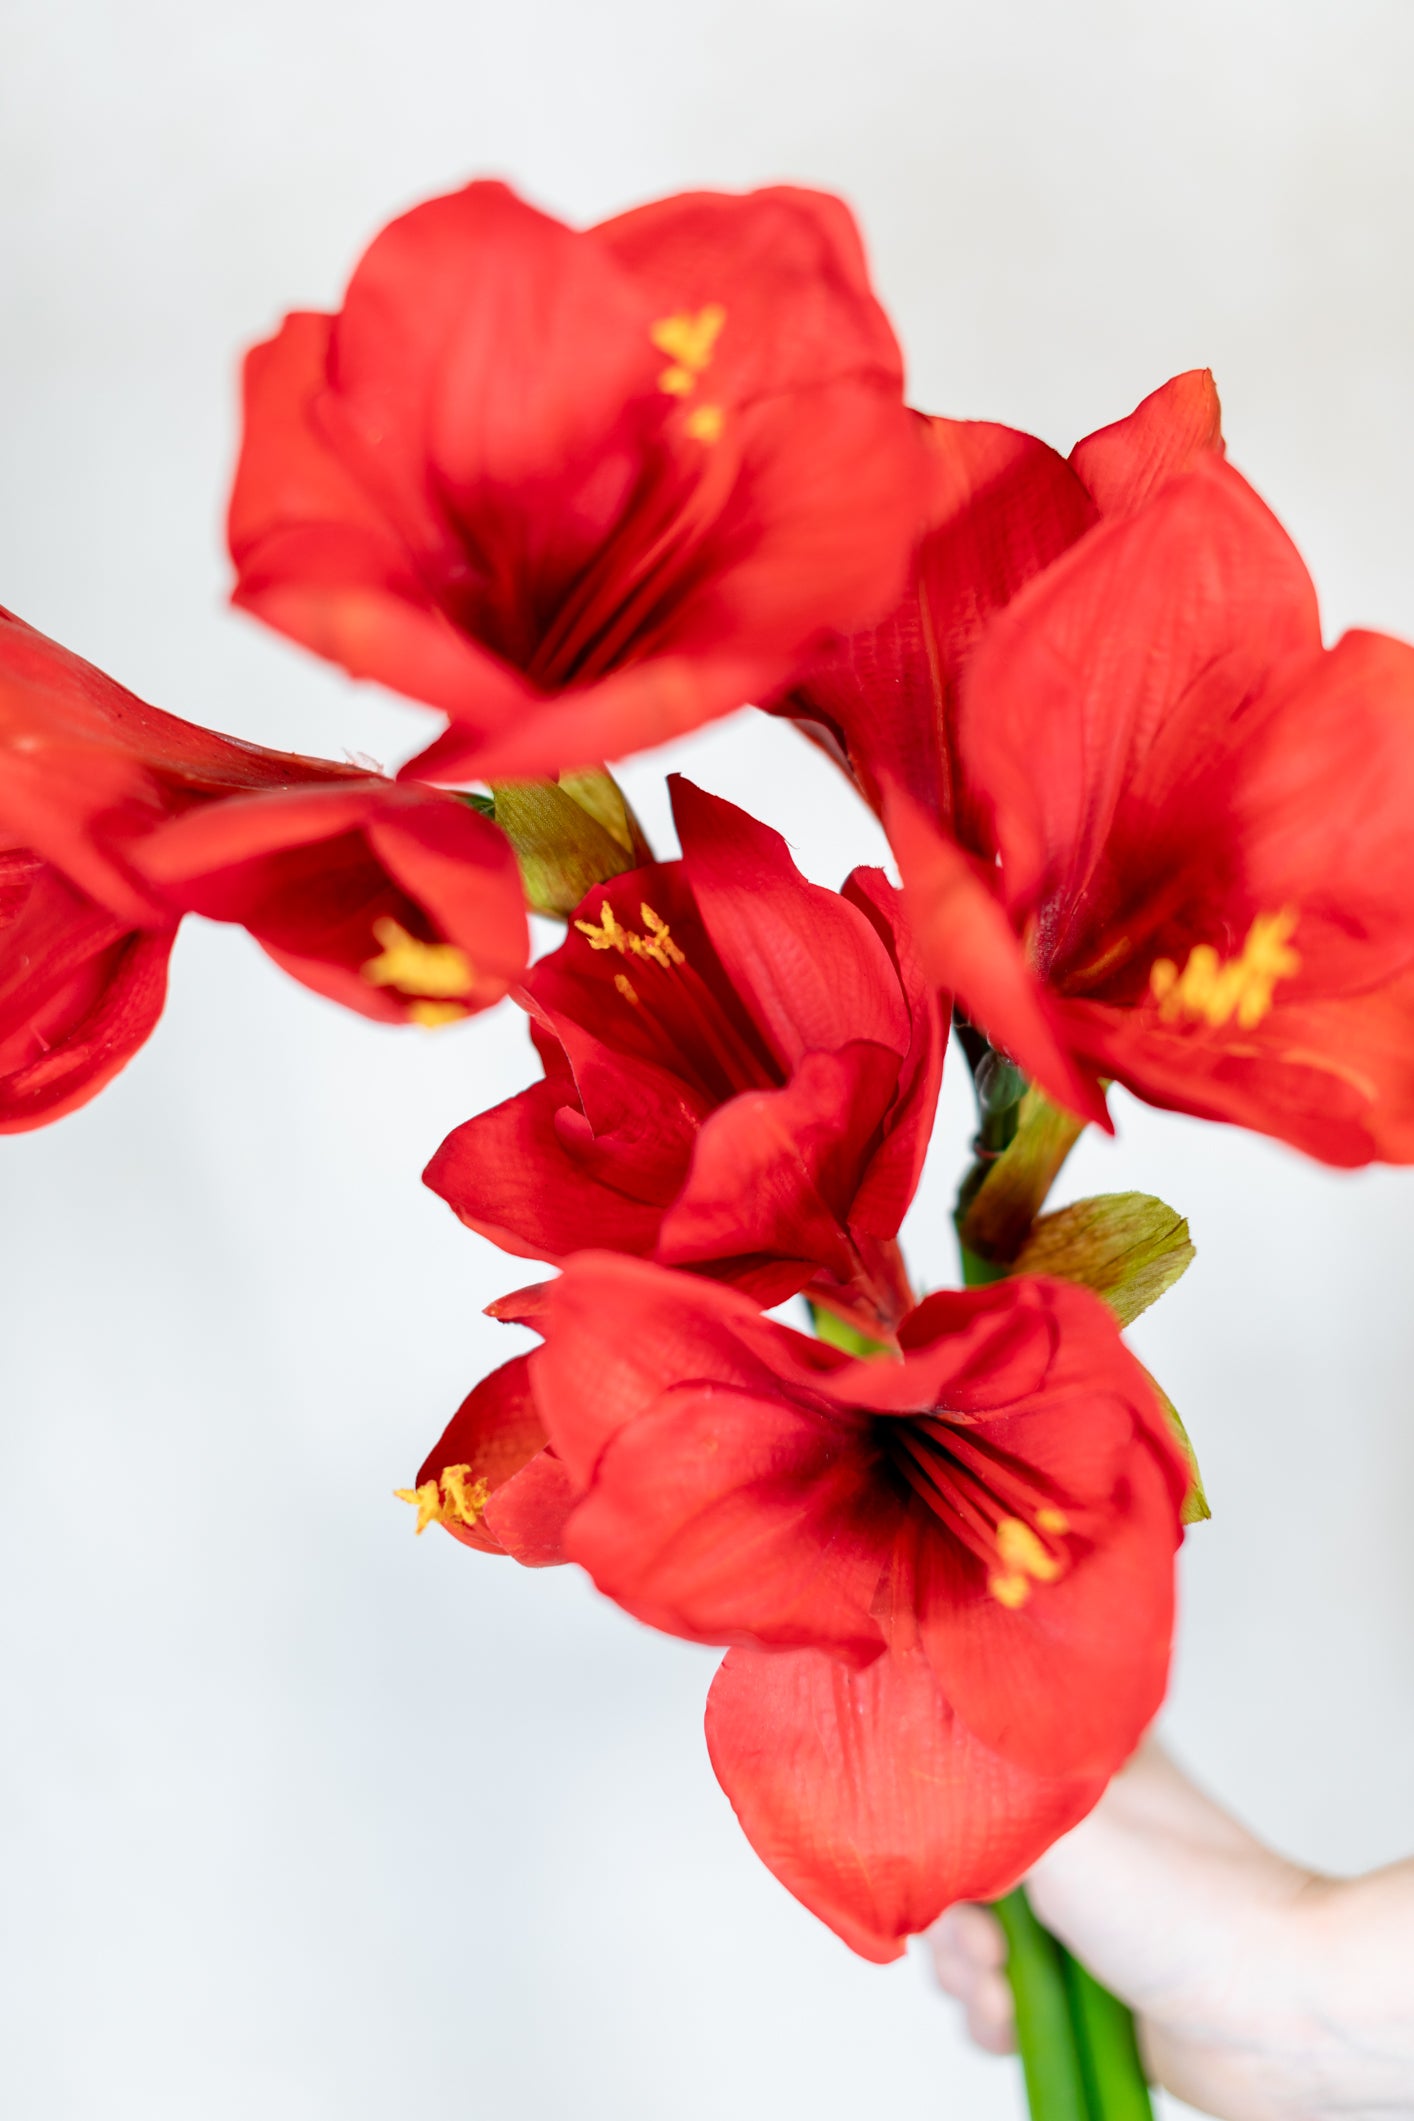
x=581, y=491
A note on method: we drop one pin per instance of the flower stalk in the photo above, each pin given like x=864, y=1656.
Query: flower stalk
x=1076, y=2040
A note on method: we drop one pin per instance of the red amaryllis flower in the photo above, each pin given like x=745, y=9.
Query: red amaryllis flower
x=740, y=1075
x=115, y=819
x=1005, y=506
x=1196, y=872
x=582, y=490
x=948, y=1579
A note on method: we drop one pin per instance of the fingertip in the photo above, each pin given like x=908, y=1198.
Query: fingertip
x=991, y=2017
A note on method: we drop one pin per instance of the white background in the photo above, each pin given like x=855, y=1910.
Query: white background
x=301, y=1817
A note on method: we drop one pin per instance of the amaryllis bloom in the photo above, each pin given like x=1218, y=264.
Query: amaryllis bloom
x=741, y=1070
x=947, y=1580
x=1196, y=872
x=581, y=489
x=1004, y=507
x=116, y=819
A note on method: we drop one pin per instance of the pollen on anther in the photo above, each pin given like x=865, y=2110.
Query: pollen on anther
x=449, y=1498
x=705, y=423
x=626, y=988
x=1011, y=1590
x=414, y=967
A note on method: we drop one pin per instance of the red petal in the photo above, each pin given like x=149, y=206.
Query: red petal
x=866, y=1796
x=774, y=1172
x=309, y=871
x=1005, y=506
x=527, y=1517
x=1174, y=428
x=809, y=965
x=495, y=1431
x=1063, y=705
x=971, y=949
x=893, y=1174
x=79, y=993
x=1066, y=1683
x=789, y=268
x=619, y=1332
x=727, y=1516
x=508, y=1175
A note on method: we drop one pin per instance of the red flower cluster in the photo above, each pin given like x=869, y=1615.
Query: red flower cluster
x=116, y=819
x=580, y=491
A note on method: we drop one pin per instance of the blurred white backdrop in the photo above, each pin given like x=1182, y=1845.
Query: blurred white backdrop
x=303, y=1818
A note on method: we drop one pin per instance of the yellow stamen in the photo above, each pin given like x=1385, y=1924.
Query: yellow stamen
x=464, y=1502
x=454, y=1500
x=432, y=1014
x=1051, y=1520
x=415, y=967
x=657, y=944
x=1022, y=1551
x=1010, y=1591
x=428, y=1501
x=688, y=341
x=626, y=988
x=1213, y=992
x=705, y=424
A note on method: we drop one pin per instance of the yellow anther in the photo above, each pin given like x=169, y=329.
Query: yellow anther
x=428, y=1502
x=688, y=341
x=626, y=988
x=705, y=424
x=1214, y=992
x=431, y=1014
x=1010, y=1591
x=658, y=943
x=463, y=1501
x=1022, y=1552
x=453, y=1500
x=608, y=934
x=1051, y=1520
x=415, y=967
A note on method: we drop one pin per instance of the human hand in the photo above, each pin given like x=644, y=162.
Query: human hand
x=1263, y=1992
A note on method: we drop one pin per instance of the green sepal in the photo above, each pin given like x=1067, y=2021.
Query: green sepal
x=568, y=836
x=996, y=1214
x=1195, y=1502
x=1127, y=1247
x=838, y=1333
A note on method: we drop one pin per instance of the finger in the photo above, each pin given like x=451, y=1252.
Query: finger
x=964, y=1941
x=991, y=2017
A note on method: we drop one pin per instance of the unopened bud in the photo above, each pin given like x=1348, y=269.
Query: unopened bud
x=568, y=835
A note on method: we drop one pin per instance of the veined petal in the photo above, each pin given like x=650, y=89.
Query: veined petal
x=1066, y=1681
x=868, y=1798
x=810, y=964
x=1152, y=626
x=968, y=944
x=79, y=992
x=1179, y=424
x=619, y=1332
x=728, y=1516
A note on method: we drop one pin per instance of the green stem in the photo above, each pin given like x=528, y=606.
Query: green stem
x=1076, y=2041
x=1045, y=2030
x=1109, y=2052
